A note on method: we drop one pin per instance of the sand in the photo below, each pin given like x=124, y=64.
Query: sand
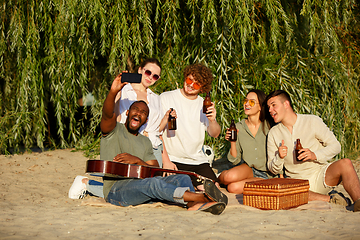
x=35, y=205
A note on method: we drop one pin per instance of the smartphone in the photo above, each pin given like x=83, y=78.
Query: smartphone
x=131, y=77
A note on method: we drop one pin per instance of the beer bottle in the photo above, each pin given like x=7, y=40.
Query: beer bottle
x=297, y=148
x=171, y=121
x=233, y=131
x=207, y=102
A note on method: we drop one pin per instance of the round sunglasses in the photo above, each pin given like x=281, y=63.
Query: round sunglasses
x=196, y=85
x=148, y=73
x=251, y=102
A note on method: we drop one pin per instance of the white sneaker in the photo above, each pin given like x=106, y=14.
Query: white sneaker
x=78, y=188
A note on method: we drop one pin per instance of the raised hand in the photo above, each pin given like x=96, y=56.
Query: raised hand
x=211, y=112
x=117, y=85
x=283, y=150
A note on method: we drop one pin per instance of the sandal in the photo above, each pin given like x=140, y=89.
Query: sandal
x=213, y=193
x=357, y=206
x=215, y=208
x=339, y=198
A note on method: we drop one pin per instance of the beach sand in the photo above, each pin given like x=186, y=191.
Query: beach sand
x=35, y=205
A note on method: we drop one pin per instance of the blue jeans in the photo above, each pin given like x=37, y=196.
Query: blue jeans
x=138, y=191
x=95, y=188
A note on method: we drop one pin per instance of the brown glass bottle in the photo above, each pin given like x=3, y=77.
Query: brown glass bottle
x=171, y=121
x=233, y=131
x=297, y=148
x=207, y=102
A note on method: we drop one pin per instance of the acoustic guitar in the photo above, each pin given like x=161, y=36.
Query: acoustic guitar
x=102, y=168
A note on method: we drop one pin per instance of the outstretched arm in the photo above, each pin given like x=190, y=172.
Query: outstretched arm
x=108, y=119
x=117, y=107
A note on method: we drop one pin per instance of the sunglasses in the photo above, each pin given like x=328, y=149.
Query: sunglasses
x=148, y=73
x=251, y=102
x=195, y=84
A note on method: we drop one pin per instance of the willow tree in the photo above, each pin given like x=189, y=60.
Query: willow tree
x=52, y=53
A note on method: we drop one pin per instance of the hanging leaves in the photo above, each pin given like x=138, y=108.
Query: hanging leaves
x=53, y=53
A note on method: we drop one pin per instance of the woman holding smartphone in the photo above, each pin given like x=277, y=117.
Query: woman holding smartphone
x=248, y=153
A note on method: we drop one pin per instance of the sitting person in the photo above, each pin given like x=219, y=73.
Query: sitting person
x=184, y=145
x=123, y=143
x=150, y=69
x=319, y=146
x=249, y=150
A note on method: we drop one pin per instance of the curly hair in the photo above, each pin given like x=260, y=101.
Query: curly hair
x=201, y=74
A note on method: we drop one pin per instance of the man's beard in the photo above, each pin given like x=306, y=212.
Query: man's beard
x=132, y=131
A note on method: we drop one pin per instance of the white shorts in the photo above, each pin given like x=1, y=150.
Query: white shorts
x=317, y=181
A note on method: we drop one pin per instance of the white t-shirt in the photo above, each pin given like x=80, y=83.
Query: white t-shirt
x=128, y=96
x=184, y=145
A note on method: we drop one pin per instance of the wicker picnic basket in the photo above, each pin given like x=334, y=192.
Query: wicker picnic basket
x=276, y=193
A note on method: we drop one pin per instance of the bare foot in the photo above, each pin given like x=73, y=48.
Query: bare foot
x=196, y=206
x=200, y=188
x=215, y=208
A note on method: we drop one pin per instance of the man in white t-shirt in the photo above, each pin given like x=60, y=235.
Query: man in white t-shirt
x=184, y=145
x=319, y=146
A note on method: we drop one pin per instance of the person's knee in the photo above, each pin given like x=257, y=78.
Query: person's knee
x=185, y=178
x=232, y=177
x=180, y=180
x=346, y=165
x=152, y=183
x=347, y=161
x=338, y=170
x=235, y=188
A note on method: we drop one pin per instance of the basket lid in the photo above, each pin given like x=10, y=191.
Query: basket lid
x=277, y=183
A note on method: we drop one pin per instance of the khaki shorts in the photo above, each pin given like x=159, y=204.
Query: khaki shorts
x=317, y=181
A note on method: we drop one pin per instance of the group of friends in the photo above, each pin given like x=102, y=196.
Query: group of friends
x=134, y=131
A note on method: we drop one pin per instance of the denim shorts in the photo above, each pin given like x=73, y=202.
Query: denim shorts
x=256, y=173
x=259, y=174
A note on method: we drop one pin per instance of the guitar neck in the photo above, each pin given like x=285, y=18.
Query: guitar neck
x=110, y=168
x=156, y=170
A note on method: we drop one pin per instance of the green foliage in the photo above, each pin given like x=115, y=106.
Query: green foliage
x=52, y=53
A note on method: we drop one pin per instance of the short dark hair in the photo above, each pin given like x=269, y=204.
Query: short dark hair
x=282, y=94
x=201, y=74
x=150, y=60
x=140, y=101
